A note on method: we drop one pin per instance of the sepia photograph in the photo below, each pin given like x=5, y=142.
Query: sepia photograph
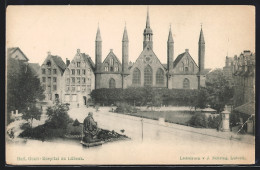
x=130, y=85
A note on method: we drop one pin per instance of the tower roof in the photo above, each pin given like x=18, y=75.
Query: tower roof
x=147, y=29
x=201, y=39
x=98, y=36
x=125, y=36
x=170, y=39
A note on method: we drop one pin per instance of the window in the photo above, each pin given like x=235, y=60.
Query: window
x=54, y=71
x=186, y=61
x=54, y=87
x=67, y=88
x=49, y=71
x=112, y=69
x=72, y=88
x=44, y=87
x=111, y=61
x=78, y=80
x=78, y=72
x=136, y=76
x=73, y=80
x=84, y=72
x=43, y=79
x=112, y=83
x=182, y=67
x=72, y=71
x=78, y=88
x=43, y=71
x=49, y=79
x=83, y=80
x=186, y=69
x=78, y=64
x=68, y=80
x=49, y=89
x=159, y=77
x=148, y=75
x=48, y=63
x=191, y=66
x=83, y=88
x=186, y=83
x=116, y=67
x=106, y=66
x=54, y=79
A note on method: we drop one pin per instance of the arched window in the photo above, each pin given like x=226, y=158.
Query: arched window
x=148, y=75
x=159, y=77
x=186, y=83
x=136, y=76
x=106, y=66
x=182, y=66
x=191, y=66
x=116, y=67
x=112, y=83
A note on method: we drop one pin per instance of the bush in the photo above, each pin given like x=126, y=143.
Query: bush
x=125, y=108
x=76, y=123
x=198, y=120
x=58, y=116
x=213, y=122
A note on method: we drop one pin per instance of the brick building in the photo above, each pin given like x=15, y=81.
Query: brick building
x=147, y=69
x=78, y=79
x=50, y=75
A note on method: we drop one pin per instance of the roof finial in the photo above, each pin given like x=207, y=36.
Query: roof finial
x=201, y=25
x=148, y=18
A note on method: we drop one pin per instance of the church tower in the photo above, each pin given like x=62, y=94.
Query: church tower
x=201, y=51
x=98, y=55
x=125, y=57
x=201, y=56
x=148, y=33
x=170, y=51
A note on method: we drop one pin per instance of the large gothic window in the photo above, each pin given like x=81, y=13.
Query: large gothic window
x=148, y=75
x=112, y=83
x=159, y=77
x=136, y=76
x=186, y=83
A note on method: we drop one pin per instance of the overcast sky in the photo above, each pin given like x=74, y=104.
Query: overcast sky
x=64, y=29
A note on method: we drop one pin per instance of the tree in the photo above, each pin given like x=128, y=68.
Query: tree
x=220, y=91
x=32, y=113
x=23, y=87
x=58, y=116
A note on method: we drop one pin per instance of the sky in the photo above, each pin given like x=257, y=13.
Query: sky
x=228, y=30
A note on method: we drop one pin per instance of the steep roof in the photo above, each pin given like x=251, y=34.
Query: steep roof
x=178, y=59
x=35, y=67
x=11, y=50
x=112, y=53
x=247, y=108
x=88, y=59
x=59, y=62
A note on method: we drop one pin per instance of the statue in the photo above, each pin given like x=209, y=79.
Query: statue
x=90, y=129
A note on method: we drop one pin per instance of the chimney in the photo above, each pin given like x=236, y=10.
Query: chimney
x=49, y=53
x=67, y=62
x=186, y=50
x=111, y=50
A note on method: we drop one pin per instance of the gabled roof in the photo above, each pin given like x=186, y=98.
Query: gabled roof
x=112, y=53
x=205, y=71
x=11, y=50
x=35, y=67
x=59, y=62
x=88, y=59
x=180, y=56
x=247, y=108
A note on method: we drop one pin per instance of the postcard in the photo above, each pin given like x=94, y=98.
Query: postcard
x=130, y=85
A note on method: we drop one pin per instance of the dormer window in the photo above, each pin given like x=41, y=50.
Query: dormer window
x=48, y=63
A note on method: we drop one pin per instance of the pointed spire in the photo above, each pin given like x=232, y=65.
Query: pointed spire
x=125, y=36
x=98, y=36
x=170, y=39
x=148, y=19
x=201, y=39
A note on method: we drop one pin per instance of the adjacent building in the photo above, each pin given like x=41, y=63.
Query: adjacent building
x=51, y=72
x=78, y=80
